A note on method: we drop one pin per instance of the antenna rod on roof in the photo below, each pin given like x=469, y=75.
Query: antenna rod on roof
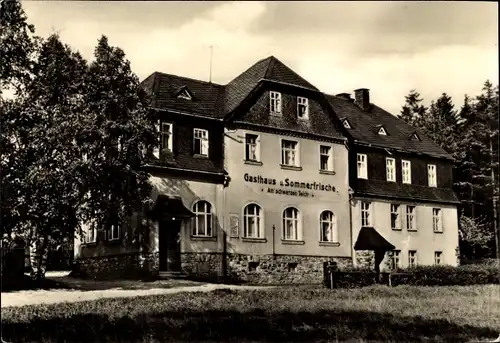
x=210, y=76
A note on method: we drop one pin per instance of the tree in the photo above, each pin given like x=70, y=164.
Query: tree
x=48, y=124
x=116, y=130
x=441, y=123
x=474, y=235
x=413, y=112
x=17, y=44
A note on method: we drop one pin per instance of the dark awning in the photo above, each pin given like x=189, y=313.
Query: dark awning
x=370, y=239
x=169, y=207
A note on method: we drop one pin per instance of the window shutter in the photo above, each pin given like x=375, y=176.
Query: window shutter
x=156, y=149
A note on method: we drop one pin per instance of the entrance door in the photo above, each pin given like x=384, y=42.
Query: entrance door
x=169, y=245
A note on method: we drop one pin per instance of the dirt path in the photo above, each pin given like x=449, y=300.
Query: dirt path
x=23, y=298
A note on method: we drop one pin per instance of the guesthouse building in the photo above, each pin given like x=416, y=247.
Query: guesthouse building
x=259, y=180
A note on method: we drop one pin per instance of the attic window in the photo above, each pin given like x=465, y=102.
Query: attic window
x=415, y=137
x=184, y=94
x=382, y=131
x=346, y=124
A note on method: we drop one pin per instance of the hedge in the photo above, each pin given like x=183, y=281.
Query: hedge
x=420, y=276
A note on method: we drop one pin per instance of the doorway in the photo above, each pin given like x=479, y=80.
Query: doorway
x=169, y=245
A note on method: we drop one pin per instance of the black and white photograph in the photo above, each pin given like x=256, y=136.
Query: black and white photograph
x=249, y=171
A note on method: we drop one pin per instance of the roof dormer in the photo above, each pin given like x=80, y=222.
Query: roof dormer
x=415, y=137
x=346, y=123
x=381, y=130
x=184, y=94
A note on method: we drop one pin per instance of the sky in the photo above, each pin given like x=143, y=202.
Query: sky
x=387, y=47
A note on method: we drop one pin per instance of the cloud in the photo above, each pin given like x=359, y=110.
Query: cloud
x=381, y=28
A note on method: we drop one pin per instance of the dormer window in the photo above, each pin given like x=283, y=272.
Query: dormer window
x=381, y=131
x=346, y=124
x=302, y=108
x=184, y=94
x=275, y=102
x=415, y=137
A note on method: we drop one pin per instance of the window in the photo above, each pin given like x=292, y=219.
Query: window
x=362, y=168
x=410, y=218
x=390, y=167
x=166, y=136
x=382, y=131
x=431, y=175
x=252, y=221
x=414, y=137
x=203, y=219
x=91, y=234
x=200, y=142
x=412, y=258
x=365, y=214
x=396, y=259
x=437, y=224
x=302, y=107
x=252, y=148
x=275, y=104
x=289, y=153
x=325, y=158
x=328, y=227
x=395, y=219
x=114, y=232
x=346, y=124
x=406, y=171
x=184, y=94
x=437, y=257
x=291, y=223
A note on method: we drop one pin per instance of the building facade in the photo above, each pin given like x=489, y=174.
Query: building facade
x=266, y=178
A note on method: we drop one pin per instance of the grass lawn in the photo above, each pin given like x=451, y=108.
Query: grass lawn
x=288, y=314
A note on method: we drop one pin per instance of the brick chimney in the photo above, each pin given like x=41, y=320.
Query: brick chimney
x=362, y=98
x=346, y=96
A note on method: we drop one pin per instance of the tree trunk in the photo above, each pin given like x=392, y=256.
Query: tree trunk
x=38, y=257
x=495, y=215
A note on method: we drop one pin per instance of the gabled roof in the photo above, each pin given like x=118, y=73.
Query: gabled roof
x=365, y=126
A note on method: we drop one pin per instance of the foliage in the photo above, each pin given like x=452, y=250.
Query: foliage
x=73, y=138
x=285, y=314
x=474, y=234
x=413, y=112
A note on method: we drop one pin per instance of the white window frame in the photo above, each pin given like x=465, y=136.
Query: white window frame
x=406, y=171
x=390, y=168
x=90, y=228
x=362, y=163
x=346, y=124
x=206, y=215
x=411, y=218
x=412, y=256
x=437, y=220
x=114, y=236
x=275, y=102
x=397, y=212
x=301, y=101
x=169, y=133
x=432, y=175
x=328, y=218
x=200, y=136
x=329, y=154
x=438, y=256
x=295, y=219
x=248, y=146
x=366, y=214
x=382, y=131
x=258, y=218
x=395, y=259
x=295, y=150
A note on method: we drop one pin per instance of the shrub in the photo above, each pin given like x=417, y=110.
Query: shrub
x=421, y=276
